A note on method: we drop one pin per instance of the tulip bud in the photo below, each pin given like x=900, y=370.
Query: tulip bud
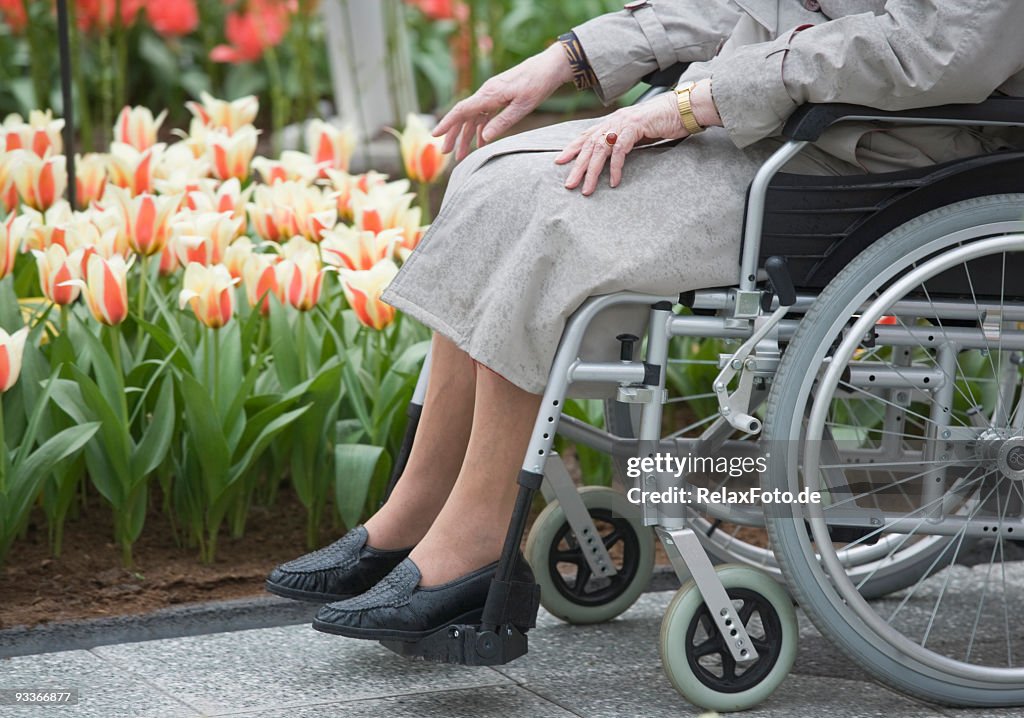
x=210, y=292
x=300, y=280
x=8, y=189
x=294, y=166
x=363, y=289
x=56, y=270
x=145, y=219
x=236, y=255
x=40, y=181
x=343, y=183
x=105, y=288
x=358, y=249
x=260, y=280
x=331, y=147
x=132, y=169
x=12, y=347
x=91, y=178
x=421, y=151
x=231, y=154
x=12, y=235
x=221, y=115
x=136, y=126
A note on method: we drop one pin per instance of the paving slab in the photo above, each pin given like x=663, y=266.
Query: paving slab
x=104, y=690
x=276, y=668
x=490, y=702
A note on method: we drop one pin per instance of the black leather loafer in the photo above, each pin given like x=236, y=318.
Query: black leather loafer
x=398, y=608
x=346, y=568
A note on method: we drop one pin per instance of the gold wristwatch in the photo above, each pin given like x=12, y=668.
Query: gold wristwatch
x=686, y=108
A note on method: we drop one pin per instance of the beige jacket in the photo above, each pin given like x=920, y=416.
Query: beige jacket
x=767, y=57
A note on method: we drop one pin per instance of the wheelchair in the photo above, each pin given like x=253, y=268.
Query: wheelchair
x=868, y=358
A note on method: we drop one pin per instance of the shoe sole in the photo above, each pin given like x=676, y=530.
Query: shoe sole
x=386, y=634
x=307, y=596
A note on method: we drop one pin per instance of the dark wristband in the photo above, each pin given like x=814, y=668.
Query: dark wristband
x=582, y=74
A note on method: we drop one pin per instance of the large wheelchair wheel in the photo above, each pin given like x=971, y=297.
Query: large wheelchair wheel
x=568, y=588
x=899, y=399
x=688, y=411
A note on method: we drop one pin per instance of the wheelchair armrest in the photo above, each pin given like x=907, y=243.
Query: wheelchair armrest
x=666, y=77
x=809, y=121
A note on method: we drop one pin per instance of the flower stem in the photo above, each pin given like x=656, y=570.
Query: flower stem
x=300, y=343
x=214, y=340
x=142, y=286
x=64, y=318
x=423, y=193
x=115, y=355
x=3, y=449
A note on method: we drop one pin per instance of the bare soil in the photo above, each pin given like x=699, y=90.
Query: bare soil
x=88, y=580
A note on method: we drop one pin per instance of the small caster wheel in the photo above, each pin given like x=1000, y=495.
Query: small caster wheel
x=579, y=596
x=694, y=653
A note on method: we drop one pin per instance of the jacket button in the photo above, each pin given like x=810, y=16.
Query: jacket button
x=812, y=5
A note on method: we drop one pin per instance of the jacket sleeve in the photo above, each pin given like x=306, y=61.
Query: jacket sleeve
x=623, y=46
x=914, y=54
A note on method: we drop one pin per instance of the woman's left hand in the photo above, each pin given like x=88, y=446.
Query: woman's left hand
x=656, y=119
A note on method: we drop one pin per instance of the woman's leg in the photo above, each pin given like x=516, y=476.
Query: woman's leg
x=469, y=531
x=436, y=455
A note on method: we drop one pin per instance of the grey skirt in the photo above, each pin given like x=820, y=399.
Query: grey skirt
x=512, y=253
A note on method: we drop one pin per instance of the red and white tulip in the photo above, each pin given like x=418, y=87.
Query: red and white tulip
x=57, y=269
x=358, y=249
x=210, y=292
x=363, y=289
x=40, y=180
x=223, y=115
x=133, y=169
x=230, y=155
x=12, y=348
x=331, y=147
x=137, y=127
x=421, y=151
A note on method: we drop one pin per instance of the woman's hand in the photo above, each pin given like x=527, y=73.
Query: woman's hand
x=503, y=100
x=656, y=119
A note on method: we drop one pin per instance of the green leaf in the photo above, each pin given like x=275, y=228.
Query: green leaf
x=113, y=434
x=37, y=467
x=150, y=452
x=282, y=346
x=355, y=466
x=262, y=440
x=206, y=433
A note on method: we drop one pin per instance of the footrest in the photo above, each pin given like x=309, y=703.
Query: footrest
x=466, y=645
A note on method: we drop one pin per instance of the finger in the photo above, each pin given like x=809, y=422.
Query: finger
x=504, y=120
x=602, y=150
x=625, y=144
x=450, y=138
x=573, y=148
x=580, y=166
x=469, y=132
x=457, y=115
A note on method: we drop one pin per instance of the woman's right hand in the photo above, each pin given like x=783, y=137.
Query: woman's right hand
x=503, y=100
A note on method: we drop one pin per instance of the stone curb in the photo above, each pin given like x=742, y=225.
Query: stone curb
x=193, y=619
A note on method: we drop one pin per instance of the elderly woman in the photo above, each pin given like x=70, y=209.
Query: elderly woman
x=533, y=225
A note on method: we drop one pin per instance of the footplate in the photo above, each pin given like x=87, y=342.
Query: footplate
x=467, y=645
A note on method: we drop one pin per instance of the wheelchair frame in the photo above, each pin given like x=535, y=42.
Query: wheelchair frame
x=741, y=313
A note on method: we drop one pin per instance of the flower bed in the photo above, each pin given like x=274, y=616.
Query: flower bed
x=230, y=332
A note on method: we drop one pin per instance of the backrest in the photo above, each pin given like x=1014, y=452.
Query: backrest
x=820, y=223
